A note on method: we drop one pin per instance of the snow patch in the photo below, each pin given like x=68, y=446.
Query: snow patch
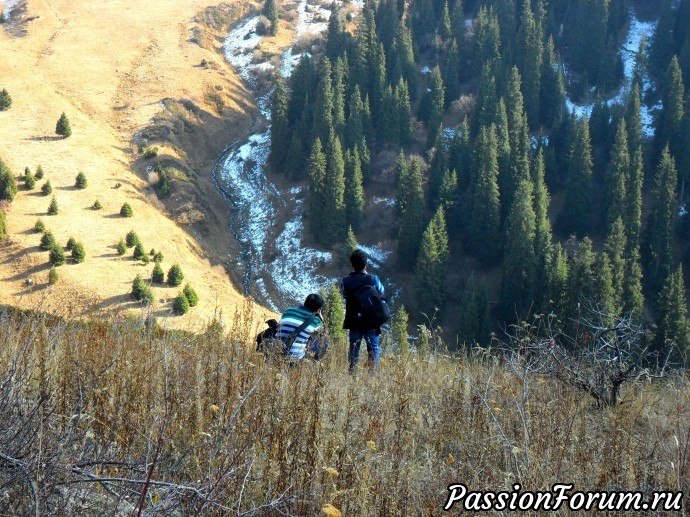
x=387, y=201
x=9, y=5
x=425, y=70
x=628, y=52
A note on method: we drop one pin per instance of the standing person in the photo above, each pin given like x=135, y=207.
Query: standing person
x=297, y=324
x=357, y=319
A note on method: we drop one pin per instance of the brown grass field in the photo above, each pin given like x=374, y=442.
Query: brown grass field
x=113, y=418
x=109, y=66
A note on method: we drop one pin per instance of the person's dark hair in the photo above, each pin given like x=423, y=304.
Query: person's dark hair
x=314, y=302
x=358, y=259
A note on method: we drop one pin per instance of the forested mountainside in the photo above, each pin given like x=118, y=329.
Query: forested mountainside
x=509, y=202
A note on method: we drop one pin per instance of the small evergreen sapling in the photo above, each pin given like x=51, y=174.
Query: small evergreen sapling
x=175, y=275
x=39, y=172
x=158, y=276
x=121, y=247
x=56, y=256
x=131, y=239
x=53, y=207
x=97, y=205
x=78, y=252
x=158, y=257
x=126, y=210
x=63, y=127
x=80, y=181
x=29, y=180
x=52, y=276
x=40, y=226
x=139, y=252
x=70, y=243
x=138, y=287
x=191, y=295
x=47, y=240
x=47, y=188
x=5, y=98
x=180, y=304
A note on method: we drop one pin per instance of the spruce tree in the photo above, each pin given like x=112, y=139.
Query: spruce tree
x=633, y=120
x=354, y=192
x=474, y=322
x=270, y=11
x=175, y=275
x=431, y=266
x=543, y=237
x=138, y=287
x=518, y=132
x=139, y=252
x=351, y=243
x=39, y=226
x=63, y=127
x=436, y=106
x=399, y=331
x=335, y=37
x=334, y=314
x=323, y=105
x=8, y=185
x=552, y=98
x=126, y=210
x=448, y=193
x=80, y=181
x=97, y=205
x=53, y=276
x=582, y=282
x=39, y=172
x=47, y=240
x=29, y=180
x=661, y=224
x=56, y=257
x=333, y=220
x=615, y=247
x=280, y=130
x=354, y=127
x=78, y=253
x=316, y=168
x=672, y=324
x=605, y=295
x=557, y=278
x=191, y=295
x=437, y=169
x=180, y=304
x=485, y=208
x=157, y=276
x=411, y=206
x=5, y=100
x=519, y=264
x=53, y=207
x=47, y=188
x=529, y=59
x=617, y=178
x=70, y=243
x=131, y=238
x=670, y=119
x=121, y=247
x=575, y=216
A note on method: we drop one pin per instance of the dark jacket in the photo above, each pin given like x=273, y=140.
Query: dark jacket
x=348, y=286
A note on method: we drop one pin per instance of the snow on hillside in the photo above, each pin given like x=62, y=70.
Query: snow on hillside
x=256, y=200
x=628, y=51
x=8, y=6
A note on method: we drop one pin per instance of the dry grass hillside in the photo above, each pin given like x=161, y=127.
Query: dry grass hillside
x=122, y=72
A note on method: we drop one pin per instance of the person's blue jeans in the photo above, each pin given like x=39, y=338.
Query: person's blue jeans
x=373, y=349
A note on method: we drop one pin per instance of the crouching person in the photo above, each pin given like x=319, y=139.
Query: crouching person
x=296, y=327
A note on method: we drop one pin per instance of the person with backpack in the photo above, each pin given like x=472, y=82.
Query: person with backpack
x=297, y=324
x=365, y=310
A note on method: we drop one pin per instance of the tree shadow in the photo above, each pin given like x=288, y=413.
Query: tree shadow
x=115, y=216
x=29, y=272
x=68, y=188
x=19, y=254
x=44, y=138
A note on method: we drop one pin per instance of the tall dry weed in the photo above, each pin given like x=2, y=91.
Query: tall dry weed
x=124, y=418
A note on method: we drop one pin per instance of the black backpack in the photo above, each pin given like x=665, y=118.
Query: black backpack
x=374, y=309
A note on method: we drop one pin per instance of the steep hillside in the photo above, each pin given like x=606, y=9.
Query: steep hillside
x=122, y=74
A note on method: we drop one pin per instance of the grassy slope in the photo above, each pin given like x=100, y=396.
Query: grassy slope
x=112, y=400
x=108, y=66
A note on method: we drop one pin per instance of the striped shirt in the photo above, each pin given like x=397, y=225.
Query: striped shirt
x=290, y=321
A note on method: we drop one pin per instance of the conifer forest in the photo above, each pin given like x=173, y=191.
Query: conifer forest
x=509, y=203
